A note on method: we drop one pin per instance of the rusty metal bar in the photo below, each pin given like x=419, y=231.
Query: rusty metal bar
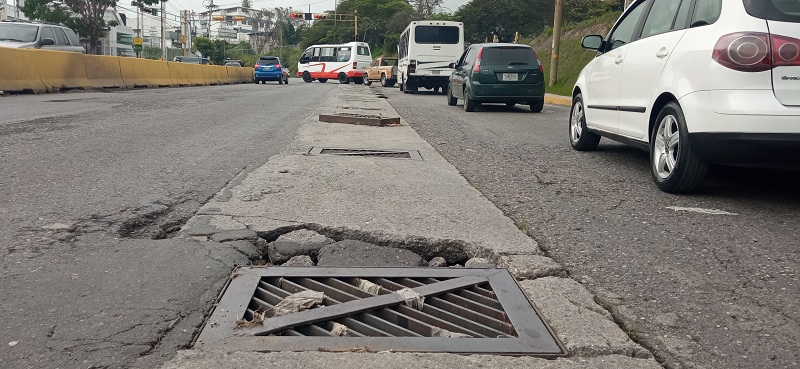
x=363, y=329
x=389, y=327
x=485, y=292
x=501, y=326
x=284, y=322
x=329, y=291
x=434, y=321
x=469, y=295
x=267, y=296
x=461, y=321
x=347, y=287
x=474, y=306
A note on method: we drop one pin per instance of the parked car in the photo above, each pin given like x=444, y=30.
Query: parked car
x=270, y=68
x=693, y=83
x=192, y=60
x=382, y=69
x=497, y=73
x=233, y=63
x=25, y=35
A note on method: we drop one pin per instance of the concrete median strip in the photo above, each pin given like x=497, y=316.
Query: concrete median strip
x=425, y=206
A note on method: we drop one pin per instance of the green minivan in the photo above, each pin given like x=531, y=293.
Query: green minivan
x=497, y=73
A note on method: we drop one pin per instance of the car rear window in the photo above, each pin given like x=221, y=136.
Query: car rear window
x=777, y=10
x=268, y=61
x=506, y=55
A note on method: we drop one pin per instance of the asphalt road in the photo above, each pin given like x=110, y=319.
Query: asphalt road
x=700, y=290
x=93, y=185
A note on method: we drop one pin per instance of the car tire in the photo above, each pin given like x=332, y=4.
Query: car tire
x=367, y=81
x=343, y=79
x=280, y=81
x=676, y=167
x=537, y=106
x=469, y=104
x=286, y=81
x=384, y=81
x=579, y=136
x=307, y=77
x=452, y=101
x=322, y=80
x=255, y=81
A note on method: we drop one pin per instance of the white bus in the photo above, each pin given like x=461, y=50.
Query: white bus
x=425, y=50
x=345, y=62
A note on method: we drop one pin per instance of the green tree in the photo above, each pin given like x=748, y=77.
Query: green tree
x=423, y=9
x=376, y=21
x=483, y=18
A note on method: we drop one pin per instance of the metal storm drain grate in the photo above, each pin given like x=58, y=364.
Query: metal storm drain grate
x=376, y=153
x=455, y=310
x=362, y=119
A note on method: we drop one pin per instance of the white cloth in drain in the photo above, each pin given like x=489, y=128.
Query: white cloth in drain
x=441, y=332
x=413, y=298
x=298, y=302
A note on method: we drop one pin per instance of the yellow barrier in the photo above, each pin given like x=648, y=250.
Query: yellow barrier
x=240, y=75
x=104, y=71
x=60, y=70
x=197, y=74
x=16, y=73
x=221, y=74
x=180, y=74
x=144, y=72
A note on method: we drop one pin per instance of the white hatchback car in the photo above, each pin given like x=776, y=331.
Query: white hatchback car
x=695, y=82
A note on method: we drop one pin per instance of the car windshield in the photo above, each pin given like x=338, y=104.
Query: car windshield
x=18, y=33
x=268, y=61
x=777, y=10
x=508, y=55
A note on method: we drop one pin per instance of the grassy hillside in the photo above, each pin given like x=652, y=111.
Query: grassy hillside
x=572, y=57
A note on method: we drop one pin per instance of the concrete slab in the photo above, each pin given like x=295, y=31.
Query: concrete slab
x=325, y=360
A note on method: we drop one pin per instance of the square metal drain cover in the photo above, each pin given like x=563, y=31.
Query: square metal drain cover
x=375, y=153
x=485, y=304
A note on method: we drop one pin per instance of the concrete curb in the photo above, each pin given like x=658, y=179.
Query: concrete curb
x=557, y=100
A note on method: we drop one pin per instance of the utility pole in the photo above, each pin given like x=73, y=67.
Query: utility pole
x=185, y=32
x=16, y=9
x=355, y=12
x=163, y=34
x=556, y=42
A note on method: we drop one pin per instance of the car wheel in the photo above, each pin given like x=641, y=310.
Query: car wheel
x=537, y=106
x=450, y=99
x=384, y=81
x=510, y=104
x=286, y=81
x=255, y=81
x=469, y=104
x=367, y=82
x=280, y=81
x=307, y=77
x=676, y=166
x=322, y=80
x=343, y=79
x=579, y=136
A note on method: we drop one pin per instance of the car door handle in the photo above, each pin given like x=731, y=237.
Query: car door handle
x=662, y=53
x=619, y=60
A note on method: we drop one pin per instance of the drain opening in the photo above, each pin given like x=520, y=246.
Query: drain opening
x=377, y=153
x=479, y=311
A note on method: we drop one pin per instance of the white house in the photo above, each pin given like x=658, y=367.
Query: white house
x=12, y=10
x=231, y=24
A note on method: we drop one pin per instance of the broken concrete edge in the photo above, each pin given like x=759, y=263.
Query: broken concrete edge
x=361, y=119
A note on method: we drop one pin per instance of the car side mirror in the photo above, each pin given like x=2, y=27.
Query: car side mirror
x=304, y=60
x=47, y=42
x=451, y=65
x=592, y=42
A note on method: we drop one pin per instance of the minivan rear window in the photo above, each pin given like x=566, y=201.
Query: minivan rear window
x=437, y=35
x=776, y=10
x=268, y=60
x=506, y=55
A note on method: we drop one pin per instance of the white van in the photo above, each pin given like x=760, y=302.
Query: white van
x=425, y=50
x=345, y=62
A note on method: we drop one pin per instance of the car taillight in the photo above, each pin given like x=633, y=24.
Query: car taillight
x=541, y=68
x=258, y=66
x=278, y=66
x=756, y=51
x=477, y=67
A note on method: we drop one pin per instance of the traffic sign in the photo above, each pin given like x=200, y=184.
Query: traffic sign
x=137, y=41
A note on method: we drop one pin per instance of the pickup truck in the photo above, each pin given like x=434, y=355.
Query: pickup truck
x=382, y=69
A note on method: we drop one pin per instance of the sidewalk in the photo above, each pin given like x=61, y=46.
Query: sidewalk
x=402, y=202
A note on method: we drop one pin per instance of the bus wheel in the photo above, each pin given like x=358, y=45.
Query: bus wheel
x=307, y=77
x=343, y=79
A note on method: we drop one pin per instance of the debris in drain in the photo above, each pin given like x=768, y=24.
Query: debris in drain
x=369, y=287
x=297, y=302
x=413, y=299
x=437, y=262
x=258, y=319
x=441, y=332
x=362, y=119
x=339, y=329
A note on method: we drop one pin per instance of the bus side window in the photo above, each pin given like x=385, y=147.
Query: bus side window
x=315, y=57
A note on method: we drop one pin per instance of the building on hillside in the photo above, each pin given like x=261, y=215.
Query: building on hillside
x=232, y=24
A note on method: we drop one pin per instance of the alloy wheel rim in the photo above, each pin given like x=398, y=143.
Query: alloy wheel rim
x=576, y=122
x=665, y=150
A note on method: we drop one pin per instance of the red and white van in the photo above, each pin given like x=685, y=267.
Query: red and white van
x=345, y=62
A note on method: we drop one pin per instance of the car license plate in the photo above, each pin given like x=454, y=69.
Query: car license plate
x=510, y=77
x=268, y=67
x=435, y=72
